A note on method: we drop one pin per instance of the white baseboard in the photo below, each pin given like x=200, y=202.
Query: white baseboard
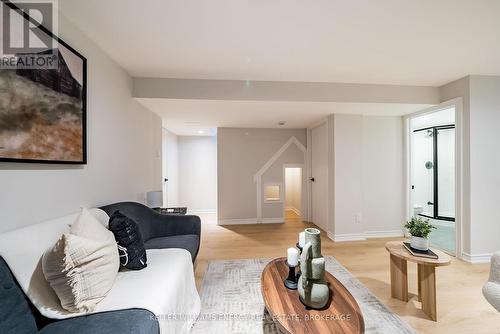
x=243, y=221
x=273, y=220
x=385, y=234
x=346, y=237
x=476, y=258
x=201, y=211
x=294, y=209
x=247, y=221
x=365, y=235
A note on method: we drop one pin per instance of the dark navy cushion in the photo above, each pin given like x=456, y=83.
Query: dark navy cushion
x=16, y=316
x=129, y=239
x=134, y=321
x=190, y=242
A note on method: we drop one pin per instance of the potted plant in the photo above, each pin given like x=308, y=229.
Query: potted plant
x=419, y=230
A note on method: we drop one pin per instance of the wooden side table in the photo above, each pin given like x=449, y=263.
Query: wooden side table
x=426, y=275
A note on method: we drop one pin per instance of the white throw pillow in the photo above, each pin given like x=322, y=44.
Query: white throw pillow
x=88, y=226
x=83, y=264
x=101, y=216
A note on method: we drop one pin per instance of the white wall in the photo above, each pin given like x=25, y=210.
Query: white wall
x=484, y=164
x=383, y=174
x=170, y=88
x=480, y=184
x=170, y=169
x=348, y=139
x=124, y=151
x=198, y=173
x=274, y=175
x=241, y=154
x=368, y=176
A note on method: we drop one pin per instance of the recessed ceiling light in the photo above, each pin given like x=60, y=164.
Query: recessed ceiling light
x=200, y=132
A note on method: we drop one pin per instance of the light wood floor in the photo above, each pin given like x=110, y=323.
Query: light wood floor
x=461, y=306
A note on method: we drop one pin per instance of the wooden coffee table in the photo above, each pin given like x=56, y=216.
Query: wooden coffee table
x=341, y=315
x=426, y=275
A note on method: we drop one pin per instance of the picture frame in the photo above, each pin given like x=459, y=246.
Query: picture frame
x=60, y=135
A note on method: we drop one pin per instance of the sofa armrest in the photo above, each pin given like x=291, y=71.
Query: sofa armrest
x=137, y=321
x=171, y=225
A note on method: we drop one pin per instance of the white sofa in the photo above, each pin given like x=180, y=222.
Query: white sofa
x=491, y=289
x=166, y=287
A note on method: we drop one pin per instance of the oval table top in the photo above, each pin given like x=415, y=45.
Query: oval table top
x=397, y=249
x=341, y=315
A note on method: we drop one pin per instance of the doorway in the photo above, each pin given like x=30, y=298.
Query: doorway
x=170, y=169
x=293, y=193
x=190, y=173
x=434, y=173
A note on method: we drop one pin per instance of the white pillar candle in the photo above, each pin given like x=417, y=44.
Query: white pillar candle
x=302, y=239
x=293, y=257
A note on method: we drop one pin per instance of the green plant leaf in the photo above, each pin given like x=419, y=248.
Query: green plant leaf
x=418, y=227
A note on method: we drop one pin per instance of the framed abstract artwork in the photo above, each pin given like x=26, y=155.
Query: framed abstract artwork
x=43, y=112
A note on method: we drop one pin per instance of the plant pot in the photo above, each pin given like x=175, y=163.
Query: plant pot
x=419, y=243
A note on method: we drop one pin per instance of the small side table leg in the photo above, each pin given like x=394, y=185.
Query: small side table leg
x=419, y=280
x=399, y=279
x=427, y=279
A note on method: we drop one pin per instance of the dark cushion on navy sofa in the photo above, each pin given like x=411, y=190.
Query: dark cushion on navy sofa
x=133, y=321
x=189, y=242
x=16, y=315
x=128, y=237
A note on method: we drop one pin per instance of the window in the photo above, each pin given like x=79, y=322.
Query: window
x=272, y=193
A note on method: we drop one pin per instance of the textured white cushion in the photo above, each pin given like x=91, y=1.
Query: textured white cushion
x=83, y=264
x=491, y=289
x=88, y=226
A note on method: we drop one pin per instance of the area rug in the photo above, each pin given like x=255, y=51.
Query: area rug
x=231, y=300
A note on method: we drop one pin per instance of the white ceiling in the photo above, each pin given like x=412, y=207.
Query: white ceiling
x=424, y=42
x=187, y=117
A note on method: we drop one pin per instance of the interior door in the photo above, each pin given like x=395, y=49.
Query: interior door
x=423, y=171
x=446, y=172
x=319, y=173
x=165, y=173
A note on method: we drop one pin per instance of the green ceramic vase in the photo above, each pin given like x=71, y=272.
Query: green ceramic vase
x=313, y=289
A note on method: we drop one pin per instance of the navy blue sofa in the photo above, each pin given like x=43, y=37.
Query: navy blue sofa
x=162, y=231
x=19, y=316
